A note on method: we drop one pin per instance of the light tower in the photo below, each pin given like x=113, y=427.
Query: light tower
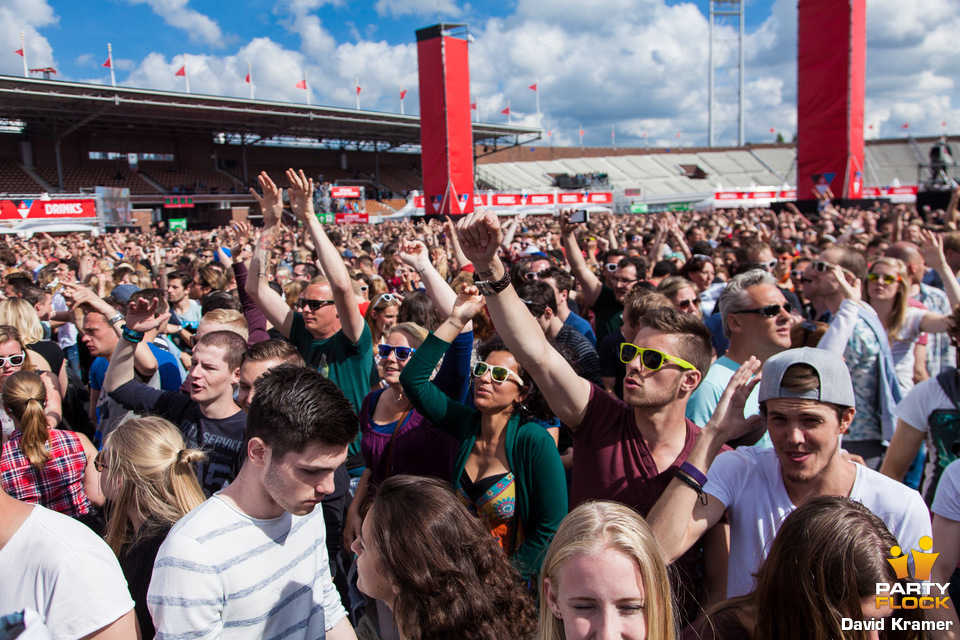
x=722, y=14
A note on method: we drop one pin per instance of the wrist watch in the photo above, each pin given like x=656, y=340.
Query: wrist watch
x=115, y=319
x=492, y=288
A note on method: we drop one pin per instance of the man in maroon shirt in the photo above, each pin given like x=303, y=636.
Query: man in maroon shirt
x=628, y=450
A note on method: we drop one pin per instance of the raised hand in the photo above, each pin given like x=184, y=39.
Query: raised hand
x=414, y=253
x=140, y=315
x=480, y=236
x=728, y=418
x=851, y=290
x=931, y=246
x=468, y=304
x=271, y=202
x=301, y=194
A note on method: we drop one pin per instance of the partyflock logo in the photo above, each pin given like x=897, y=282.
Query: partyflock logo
x=918, y=593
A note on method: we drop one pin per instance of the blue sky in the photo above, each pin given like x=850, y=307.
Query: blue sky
x=636, y=66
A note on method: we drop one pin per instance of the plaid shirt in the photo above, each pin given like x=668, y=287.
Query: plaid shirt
x=58, y=485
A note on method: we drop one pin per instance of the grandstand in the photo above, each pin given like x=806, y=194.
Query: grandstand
x=70, y=138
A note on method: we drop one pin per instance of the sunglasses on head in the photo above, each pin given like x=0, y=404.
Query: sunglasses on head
x=384, y=351
x=388, y=298
x=703, y=257
x=885, y=279
x=769, y=311
x=314, y=305
x=650, y=359
x=497, y=374
x=15, y=361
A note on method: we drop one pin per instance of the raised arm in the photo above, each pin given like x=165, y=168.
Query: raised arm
x=566, y=392
x=140, y=318
x=931, y=245
x=301, y=201
x=271, y=303
x=415, y=255
x=588, y=280
x=680, y=518
x=451, y=231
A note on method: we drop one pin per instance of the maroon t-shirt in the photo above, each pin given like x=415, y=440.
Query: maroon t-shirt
x=612, y=462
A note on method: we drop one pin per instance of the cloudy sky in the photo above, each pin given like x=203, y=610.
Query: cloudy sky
x=639, y=66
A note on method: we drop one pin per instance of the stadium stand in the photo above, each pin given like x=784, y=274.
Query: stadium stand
x=14, y=180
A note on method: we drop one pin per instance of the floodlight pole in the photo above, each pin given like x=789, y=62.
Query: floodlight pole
x=719, y=11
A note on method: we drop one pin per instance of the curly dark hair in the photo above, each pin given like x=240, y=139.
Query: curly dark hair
x=451, y=578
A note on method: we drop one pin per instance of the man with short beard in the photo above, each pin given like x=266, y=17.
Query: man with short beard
x=807, y=399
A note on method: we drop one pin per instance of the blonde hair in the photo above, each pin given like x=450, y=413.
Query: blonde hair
x=292, y=291
x=8, y=333
x=414, y=332
x=19, y=313
x=25, y=396
x=227, y=320
x=154, y=470
x=588, y=530
x=898, y=312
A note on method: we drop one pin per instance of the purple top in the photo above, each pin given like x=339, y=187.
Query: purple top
x=256, y=322
x=420, y=449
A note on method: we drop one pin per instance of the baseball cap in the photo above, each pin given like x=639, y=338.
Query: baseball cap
x=835, y=384
x=122, y=292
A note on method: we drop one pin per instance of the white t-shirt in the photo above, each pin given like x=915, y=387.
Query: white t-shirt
x=947, y=501
x=928, y=409
x=221, y=573
x=58, y=567
x=749, y=482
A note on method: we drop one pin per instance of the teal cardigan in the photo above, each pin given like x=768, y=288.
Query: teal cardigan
x=532, y=456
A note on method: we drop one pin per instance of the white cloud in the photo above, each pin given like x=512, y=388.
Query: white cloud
x=27, y=16
x=199, y=27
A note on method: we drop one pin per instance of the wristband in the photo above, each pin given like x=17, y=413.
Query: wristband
x=694, y=473
x=115, y=319
x=132, y=336
x=693, y=484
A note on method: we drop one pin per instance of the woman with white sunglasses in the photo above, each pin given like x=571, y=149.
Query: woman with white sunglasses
x=14, y=356
x=507, y=469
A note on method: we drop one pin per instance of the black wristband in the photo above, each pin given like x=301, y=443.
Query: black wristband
x=693, y=484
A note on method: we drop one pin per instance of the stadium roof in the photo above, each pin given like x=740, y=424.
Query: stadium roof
x=52, y=108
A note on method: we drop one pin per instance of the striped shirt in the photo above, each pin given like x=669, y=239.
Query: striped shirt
x=221, y=573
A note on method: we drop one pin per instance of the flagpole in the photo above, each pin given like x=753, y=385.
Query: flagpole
x=509, y=114
x=113, y=76
x=613, y=135
x=581, y=136
x=401, y=99
x=186, y=73
x=250, y=73
x=358, y=92
x=23, y=48
x=306, y=83
x=539, y=121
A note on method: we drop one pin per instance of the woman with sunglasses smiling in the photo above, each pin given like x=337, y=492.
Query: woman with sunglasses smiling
x=682, y=294
x=886, y=289
x=507, y=469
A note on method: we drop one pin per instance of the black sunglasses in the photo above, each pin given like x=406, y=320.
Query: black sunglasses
x=315, y=305
x=769, y=311
x=384, y=350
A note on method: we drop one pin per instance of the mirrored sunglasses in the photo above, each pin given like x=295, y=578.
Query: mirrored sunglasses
x=497, y=374
x=384, y=351
x=650, y=359
x=885, y=279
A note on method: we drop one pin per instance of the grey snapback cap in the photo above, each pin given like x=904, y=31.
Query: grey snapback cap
x=835, y=383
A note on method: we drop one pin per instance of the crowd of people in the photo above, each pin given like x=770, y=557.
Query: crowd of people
x=646, y=426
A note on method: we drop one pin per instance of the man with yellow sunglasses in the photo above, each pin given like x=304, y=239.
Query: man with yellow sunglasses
x=627, y=450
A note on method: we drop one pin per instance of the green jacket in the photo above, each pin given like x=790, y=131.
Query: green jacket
x=532, y=456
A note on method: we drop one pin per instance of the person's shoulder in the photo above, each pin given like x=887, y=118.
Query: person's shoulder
x=880, y=490
x=71, y=535
x=206, y=521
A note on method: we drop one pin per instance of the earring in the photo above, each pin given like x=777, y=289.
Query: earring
x=556, y=612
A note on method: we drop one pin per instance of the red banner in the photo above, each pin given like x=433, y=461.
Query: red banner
x=47, y=209
x=353, y=217
x=831, y=81
x=446, y=133
x=344, y=192
x=495, y=199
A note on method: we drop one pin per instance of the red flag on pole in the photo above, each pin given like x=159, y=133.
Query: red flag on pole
x=403, y=94
x=358, y=89
x=302, y=84
x=533, y=87
x=870, y=127
x=506, y=111
x=678, y=134
x=108, y=64
x=905, y=125
x=247, y=79
x=773, y=129
x=473, y=106
x=19, y=52
x=182, y=71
